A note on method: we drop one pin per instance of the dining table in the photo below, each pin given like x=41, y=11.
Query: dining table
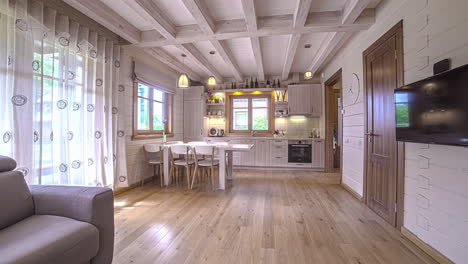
x=223, y=149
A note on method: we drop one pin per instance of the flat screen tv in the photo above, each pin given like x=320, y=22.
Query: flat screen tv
x=434, y=110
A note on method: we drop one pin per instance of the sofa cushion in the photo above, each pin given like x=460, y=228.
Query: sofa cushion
x=7, y=164
x=16, y=202
x=48, y=239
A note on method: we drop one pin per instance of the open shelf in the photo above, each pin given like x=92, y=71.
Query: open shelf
x=249, y=90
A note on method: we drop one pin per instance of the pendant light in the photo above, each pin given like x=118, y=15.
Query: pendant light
x=211, y=80
x=183, y=81
x=308, y=74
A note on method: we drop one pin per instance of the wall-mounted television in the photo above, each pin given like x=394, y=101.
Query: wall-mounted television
x=434, y=110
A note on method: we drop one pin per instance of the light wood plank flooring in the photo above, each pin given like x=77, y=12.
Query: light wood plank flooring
x=263, y=217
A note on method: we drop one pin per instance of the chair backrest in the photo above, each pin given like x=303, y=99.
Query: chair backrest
x=205, y=150
x=16, y=202
x=152, y=148
x=180, y=149
x=198, y=143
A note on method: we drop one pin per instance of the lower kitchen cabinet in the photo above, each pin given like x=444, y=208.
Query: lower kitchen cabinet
x=318, y=154
x=262, y=152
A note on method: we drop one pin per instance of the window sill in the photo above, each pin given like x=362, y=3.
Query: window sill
x=150, y=136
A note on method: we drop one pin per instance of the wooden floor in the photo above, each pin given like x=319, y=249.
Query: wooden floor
x=263, y=217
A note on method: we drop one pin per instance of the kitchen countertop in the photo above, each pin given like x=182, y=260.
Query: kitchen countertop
x=267, y=137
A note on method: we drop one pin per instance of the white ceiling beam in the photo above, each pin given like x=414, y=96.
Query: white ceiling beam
x=301, y=12
x=172, y=62
x=200, y=13
x=107, y=17
x=290, y=53
x=251, y=20
x=197, y=57
x=267, y=26
x=228, y=58
x=299, y=19
x=150, y=12
x=352, y=11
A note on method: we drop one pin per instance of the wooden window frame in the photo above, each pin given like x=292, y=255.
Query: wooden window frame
x=271, y=109
x=168, y=115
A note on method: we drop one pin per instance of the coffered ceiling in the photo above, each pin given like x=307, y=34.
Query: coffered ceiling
x=250, y=37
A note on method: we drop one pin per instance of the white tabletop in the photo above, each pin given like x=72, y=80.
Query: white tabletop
x=222, y=145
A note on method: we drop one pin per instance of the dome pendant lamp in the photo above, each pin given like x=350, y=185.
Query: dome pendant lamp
x=308, y=74
x=183, y=81
x=211, y=80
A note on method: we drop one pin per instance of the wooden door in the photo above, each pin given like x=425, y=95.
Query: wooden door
x=382, y=76
x=193, y=120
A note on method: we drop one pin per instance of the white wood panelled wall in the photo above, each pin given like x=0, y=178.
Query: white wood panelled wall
x=436, y=176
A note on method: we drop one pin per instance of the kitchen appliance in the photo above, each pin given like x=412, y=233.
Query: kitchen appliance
x=300, y=152
x=216, y=132
x=434, y=110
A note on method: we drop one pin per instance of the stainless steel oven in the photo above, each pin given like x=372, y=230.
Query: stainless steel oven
x=300, y=151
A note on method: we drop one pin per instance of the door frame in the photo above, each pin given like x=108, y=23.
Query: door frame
x=336, y=77
x=397, y=31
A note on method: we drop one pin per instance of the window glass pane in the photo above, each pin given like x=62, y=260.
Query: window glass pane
x=158, y=116
x=240, y=119
x=260, y=119
x=259, y=102
x=158, y=95
x=143, y=90
x=240, y=103
x=48, y=62
x=143, y=114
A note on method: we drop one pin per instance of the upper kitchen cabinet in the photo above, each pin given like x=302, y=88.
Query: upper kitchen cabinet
x=305, y=99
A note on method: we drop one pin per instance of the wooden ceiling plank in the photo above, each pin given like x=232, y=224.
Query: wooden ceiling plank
x=268, y=26
x=252, y=26
x=107, y=17
x=200, y=13
x=228, y=58
x=196, y=56
x=301, y=13
x=172, y=62
x=353, y=9
x=150, y=11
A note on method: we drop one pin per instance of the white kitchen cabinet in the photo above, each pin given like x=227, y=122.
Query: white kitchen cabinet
x=278, y=153
x=248, y=158
x=305, y=99
x=262, y=152
x=318, y=154
x=193, y=114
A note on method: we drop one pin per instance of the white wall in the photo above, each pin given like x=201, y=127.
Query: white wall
x=436, y=176
x=136, y=165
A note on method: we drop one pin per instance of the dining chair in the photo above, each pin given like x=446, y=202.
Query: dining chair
x=210, y=162
x=154, y=157
x=185, y=160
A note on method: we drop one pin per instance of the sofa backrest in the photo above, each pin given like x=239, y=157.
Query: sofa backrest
x=16, y=201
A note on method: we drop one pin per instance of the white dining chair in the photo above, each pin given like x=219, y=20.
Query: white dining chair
x=154, y=157
x=209, y=162
x=185, y=160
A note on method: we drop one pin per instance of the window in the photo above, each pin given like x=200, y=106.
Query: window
x=152, y=109
x=250, y=113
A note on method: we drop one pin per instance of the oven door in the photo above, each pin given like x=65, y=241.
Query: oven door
x=300, y=153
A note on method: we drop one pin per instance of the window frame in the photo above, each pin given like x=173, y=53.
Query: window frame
x=250, y=96
x=168, y=114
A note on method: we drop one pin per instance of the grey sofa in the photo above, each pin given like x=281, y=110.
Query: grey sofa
x=53, y=224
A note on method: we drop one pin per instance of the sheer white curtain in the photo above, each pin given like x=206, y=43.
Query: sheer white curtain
x=59, y=98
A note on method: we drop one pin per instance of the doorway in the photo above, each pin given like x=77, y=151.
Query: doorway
x=333, y=123
x=384, y=160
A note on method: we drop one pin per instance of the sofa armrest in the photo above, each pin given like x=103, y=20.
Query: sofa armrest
x=94, y=205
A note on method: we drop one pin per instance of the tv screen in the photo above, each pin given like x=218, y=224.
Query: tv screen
x=434, y=110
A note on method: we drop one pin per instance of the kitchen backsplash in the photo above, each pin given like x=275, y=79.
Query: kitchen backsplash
x=296, y=126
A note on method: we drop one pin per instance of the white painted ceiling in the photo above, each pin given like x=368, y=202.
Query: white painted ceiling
x=273, y=48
